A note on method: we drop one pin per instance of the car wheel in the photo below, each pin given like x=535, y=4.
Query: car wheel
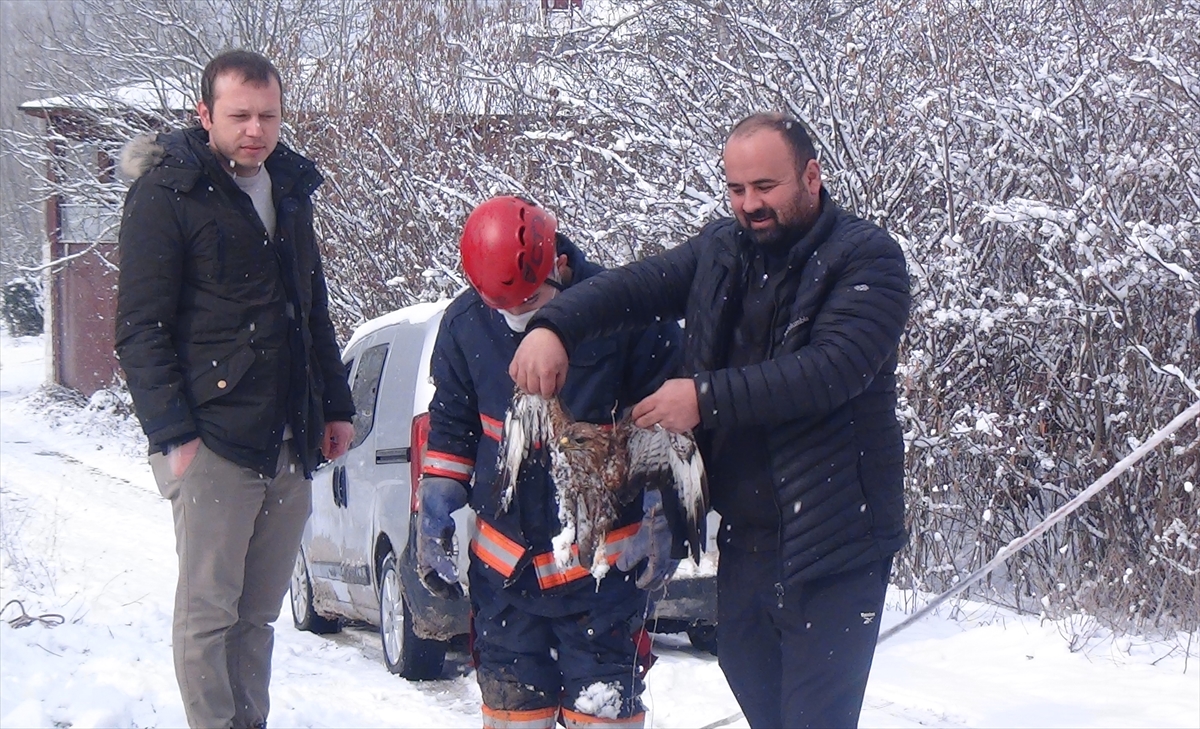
x=404, y=653
x=303, y=614
x=703, y=637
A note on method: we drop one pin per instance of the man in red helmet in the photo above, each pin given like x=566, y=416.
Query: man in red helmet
x=548, y=640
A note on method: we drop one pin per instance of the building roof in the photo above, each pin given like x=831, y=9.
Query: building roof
x=155, y=95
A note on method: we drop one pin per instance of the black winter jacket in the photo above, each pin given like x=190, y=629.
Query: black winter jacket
x=826, y=394
x=221, y=332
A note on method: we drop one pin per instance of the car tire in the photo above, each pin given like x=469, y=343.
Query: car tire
x=703, y=637
x=404, y=653
x=304, y=615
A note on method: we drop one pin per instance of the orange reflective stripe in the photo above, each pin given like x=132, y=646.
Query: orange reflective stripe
x=550, y=574
x=449, y=465
x=574, y=719
x=531, y=719
x=492, y=428
x=496, y=550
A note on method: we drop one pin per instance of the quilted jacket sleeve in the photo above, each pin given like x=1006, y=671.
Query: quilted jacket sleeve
x=632, y=297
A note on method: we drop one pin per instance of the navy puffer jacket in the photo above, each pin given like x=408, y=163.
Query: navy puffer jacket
x=827, y=392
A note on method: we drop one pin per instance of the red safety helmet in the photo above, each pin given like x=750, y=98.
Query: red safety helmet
x=508, y=250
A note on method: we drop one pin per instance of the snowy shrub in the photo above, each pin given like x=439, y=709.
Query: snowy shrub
x=22, y=307
x=1037, y=160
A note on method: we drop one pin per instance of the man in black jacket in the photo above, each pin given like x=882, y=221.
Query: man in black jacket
x=794, y=310
x=224, y=336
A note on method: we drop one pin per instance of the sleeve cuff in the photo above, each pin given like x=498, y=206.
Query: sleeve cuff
x=706, y=401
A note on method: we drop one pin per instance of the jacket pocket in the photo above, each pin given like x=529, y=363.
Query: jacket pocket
x=208, y=249
x=223, y=376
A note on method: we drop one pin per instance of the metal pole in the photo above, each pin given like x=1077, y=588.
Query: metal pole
x=1059, y=514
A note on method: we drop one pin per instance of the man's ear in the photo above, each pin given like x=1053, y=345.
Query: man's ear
x=564, y=271
x=205, y=115
x=811, y=177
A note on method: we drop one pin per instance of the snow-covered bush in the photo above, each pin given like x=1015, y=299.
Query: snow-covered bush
x=1037, y=159
x=22, y=307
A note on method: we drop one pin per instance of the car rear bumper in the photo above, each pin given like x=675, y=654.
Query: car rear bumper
x=691, y=600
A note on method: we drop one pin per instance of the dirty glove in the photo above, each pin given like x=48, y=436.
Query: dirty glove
x=437, y=498
x=651, y=544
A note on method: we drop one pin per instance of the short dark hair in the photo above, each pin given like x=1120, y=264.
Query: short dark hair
x=793, y=133
x=252, y=67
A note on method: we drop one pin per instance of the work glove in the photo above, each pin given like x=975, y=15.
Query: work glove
x=437, y=499
x=651, y=544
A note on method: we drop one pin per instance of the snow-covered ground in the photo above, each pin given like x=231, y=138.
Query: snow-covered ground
x=85, y=534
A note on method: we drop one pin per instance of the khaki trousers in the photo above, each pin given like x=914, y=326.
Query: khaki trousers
x=237, y=533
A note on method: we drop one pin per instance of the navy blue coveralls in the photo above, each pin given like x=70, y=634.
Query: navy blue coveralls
x=524, y=605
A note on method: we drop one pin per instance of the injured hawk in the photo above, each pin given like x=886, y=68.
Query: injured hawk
x=597, y=469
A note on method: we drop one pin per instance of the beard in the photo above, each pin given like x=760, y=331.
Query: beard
x=777, y=235
x=780, y=235
x=799, y=220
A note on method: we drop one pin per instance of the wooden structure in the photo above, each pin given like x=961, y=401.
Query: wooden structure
x=83, y=134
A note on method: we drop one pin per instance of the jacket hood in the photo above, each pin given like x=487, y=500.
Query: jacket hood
x=140, y=155
x=579, y=264
x=187, y=156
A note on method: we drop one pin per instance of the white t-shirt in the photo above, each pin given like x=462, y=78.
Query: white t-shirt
x=258, y=187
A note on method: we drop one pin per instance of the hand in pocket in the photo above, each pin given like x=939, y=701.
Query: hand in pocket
x=180, y=457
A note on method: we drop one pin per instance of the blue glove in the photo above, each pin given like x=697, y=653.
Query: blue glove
x=438, y=498
x=651, y=544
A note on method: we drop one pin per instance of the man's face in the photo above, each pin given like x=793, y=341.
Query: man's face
x=542, y=294
x=243, y=125
x=770, y=198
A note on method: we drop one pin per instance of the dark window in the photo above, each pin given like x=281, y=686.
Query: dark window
x=366, y=390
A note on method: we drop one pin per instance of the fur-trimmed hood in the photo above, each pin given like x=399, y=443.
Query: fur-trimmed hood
x=184, y=156
x=140, y=155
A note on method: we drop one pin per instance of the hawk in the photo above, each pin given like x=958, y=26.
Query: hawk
x=597, y=469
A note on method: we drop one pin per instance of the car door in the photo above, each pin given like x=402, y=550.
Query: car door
x=324, y=533
x=358, y=479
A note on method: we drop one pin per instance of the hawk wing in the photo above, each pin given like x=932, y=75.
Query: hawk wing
x=670, y=462
x=531, y=422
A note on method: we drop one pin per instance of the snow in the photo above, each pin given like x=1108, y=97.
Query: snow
x=600, y=699
x=155, y=95
x=84, y=534
x=415, y=314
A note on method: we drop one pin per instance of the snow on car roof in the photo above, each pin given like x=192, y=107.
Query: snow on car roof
x=415, y=314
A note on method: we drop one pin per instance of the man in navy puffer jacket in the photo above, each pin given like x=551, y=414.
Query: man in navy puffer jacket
x=794, y=309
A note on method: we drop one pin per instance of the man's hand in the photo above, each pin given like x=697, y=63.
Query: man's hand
x=180, y=457
x=339, y=434
x=540, y=365
x=673, y=406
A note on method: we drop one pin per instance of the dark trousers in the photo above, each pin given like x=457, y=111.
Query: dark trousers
x=797, y=657
x=529, y=661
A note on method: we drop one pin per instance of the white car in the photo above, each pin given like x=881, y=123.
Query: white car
x=357, y=558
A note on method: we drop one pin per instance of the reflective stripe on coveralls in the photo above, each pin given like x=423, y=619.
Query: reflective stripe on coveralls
x=447, y=465
x=575, y=720
x=492, y=428
x=503, y=554
x=533, y=719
